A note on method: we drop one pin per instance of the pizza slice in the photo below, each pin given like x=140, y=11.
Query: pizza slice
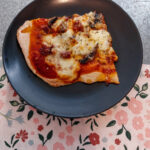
x=65, y=50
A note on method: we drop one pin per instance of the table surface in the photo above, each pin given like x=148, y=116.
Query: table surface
x=139, y=10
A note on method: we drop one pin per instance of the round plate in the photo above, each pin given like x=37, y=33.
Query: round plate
x=76, y=100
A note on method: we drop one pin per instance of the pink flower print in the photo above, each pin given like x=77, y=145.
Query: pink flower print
x=69, y=129
x=36, y=120
x=147, y=144
x=32, y=132
x=61, y=135
x=147, y=73
x=137, y=123
x=135, y=106
x=58, y=146
x=111, y=147
x=110, y=134
x=147, y=132
x=148, y=101
x=140, y=137
x=121, y=117
x=42, y=147
x=1, y=104
x=3, y=92
x=109, y=112
x=147, y=116
x=69, y=140
x=31, y=108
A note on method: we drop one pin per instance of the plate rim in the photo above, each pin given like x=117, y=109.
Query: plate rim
x=72, y=115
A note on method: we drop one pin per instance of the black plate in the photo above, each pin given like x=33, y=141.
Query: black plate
x=77, y=100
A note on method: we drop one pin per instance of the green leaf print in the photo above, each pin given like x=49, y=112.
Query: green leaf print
x=124, y=104
x=125, y=147
x=39, y=112
x=127, y=98
x=1, y=85
x=86, y=143
x=14, y=103
x=111, y=123
x=136, y=87
x=120, y=131
x=30, y=114
x=7, y=144
x=95, y=123
x=59, y=121
x=41, y=138
x=15, y=143
x=145, y=87
x=128, y=135
x=143, y=95
x=80, y=139
x=21, y=108
x=49, y=121
x=76, y=123
x=12, y=138
x=92, y=126
x=138, y=148
x=3, y=77
x=49, y=135
x=86, y=138
x=88, y=121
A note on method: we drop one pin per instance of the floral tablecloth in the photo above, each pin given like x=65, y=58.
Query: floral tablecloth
x=124, y=127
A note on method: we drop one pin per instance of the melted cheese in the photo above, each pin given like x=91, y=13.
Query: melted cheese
x=66, y=68
x=84, y=43
x=102, y=37
x=61, y=42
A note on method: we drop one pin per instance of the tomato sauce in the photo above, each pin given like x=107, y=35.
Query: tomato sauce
x=38, y=52
x=94, y=66
x=77, y=26
x=37, y=57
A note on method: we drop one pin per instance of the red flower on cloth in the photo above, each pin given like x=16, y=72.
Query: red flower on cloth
x=14, y=94
x=117, y=141
x=147, y=73
x=94, y=138
x=40, y=127
x=23, y=135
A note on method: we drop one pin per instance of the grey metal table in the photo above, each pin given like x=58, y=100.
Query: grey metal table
x=139, y=10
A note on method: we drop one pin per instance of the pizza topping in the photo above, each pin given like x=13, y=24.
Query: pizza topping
x=62, y=28
x=98, y=18
x=89, y=57
x=65, y=54
x=92, y=25
x=44, y=50
x=52, y=21
x=46, y=29
x=77, y=26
